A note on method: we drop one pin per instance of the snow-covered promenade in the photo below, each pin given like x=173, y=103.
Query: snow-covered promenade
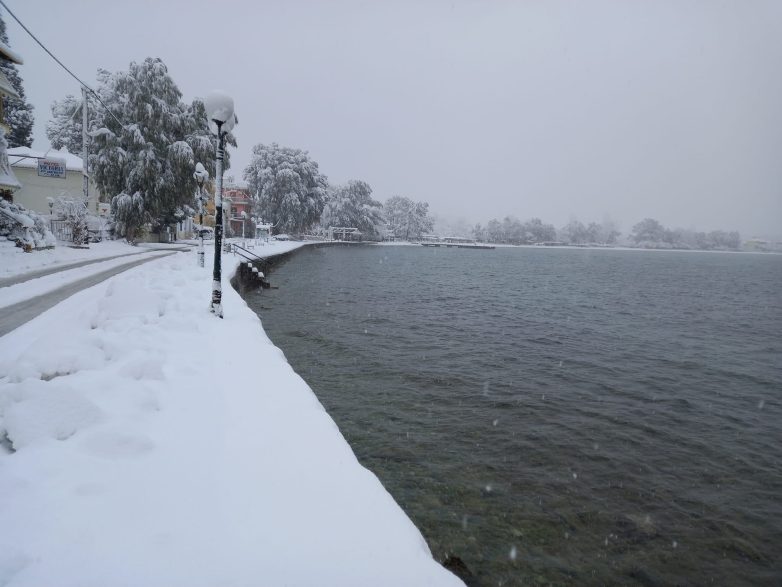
x=145, y=442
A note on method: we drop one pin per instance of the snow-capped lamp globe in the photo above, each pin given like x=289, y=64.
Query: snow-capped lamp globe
x=220, y=112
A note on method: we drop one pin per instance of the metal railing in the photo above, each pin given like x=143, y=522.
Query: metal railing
x=244, y=253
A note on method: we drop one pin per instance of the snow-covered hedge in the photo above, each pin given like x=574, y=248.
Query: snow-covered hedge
x=24, y=227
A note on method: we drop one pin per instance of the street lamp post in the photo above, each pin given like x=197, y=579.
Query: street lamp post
x=220, y=112
x=50, y=201
x=201, y=175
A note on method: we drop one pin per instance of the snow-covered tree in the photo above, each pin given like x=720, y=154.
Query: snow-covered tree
x=609, y=232
x=576, y=233
x=494, y=231
x=351, y=205
x=648, y=230
x=152, y=150
x=406, y=218
x=288, y=189
x=18, y=112
x=537, y=232
x=74, y=212
x=64, y=128
x=129, y=214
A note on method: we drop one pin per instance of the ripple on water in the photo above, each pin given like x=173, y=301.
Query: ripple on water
x=556, y=416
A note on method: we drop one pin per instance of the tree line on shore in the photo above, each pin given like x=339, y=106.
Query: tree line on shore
x=648, y=233
x=145, y=142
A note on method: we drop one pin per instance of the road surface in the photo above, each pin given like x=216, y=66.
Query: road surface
x=15, y=279
x=11, y=317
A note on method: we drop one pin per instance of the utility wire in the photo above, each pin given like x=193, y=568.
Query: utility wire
x=61, y=64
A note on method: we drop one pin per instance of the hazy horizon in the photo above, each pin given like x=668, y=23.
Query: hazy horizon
x=557, y=110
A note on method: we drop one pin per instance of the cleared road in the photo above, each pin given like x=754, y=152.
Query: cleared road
x=11, y=317
x=16, y=279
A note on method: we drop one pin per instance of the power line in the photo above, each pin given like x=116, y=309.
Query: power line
x=61, y=64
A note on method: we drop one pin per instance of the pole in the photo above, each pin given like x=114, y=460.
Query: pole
x=85, y=156
x=200, y=225
x=217, y=291
x=84, y=150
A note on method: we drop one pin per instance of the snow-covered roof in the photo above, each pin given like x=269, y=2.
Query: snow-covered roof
x=5, y=51
x=8, y=180
x=231, y=183
x=27, y=157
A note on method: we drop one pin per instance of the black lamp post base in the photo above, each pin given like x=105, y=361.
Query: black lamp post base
x=216, y=307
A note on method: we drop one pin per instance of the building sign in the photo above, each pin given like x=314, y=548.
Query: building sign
x=51, y=168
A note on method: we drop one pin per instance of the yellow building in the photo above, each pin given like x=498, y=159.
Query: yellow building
x=46, y=176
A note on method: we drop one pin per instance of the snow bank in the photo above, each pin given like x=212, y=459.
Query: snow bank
x=146, y=442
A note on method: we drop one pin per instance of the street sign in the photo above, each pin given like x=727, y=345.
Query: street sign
x=50, y=167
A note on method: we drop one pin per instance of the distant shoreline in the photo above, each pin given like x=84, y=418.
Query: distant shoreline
x=592, y=248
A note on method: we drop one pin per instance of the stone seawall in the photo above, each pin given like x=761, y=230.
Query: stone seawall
x=245, y=279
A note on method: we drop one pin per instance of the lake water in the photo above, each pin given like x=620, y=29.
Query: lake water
x=555, y=416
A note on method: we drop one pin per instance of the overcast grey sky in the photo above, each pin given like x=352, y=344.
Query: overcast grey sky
x=628, y=108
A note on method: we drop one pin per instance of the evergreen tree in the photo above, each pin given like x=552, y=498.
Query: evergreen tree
x=18, y=112
x=129, y=215
x=287, y=186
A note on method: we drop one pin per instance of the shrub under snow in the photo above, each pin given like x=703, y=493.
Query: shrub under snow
x=24, y=227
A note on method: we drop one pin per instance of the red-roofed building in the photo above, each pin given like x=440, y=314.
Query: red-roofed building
x=237, y=204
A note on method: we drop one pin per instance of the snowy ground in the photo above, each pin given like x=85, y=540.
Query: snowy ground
x=145, y=442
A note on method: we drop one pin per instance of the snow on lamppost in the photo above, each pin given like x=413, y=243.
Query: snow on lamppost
x=220, y=112
x=201, y=175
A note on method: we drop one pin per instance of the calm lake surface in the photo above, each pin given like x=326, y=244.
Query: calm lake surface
x=555, y=416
